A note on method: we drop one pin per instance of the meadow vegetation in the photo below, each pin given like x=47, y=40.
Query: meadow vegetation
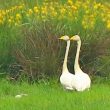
x=29, y=32
x=31, y=52
x=51, y=96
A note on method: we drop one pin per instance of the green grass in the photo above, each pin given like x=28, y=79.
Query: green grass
x=52, y=96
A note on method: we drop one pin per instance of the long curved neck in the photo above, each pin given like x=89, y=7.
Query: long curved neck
x=76, y=65
x=65, y=69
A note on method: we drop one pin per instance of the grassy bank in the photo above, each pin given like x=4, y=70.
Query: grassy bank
x=51, y=96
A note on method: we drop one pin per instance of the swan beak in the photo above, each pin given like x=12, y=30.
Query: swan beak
x=61, y=38
x=72, y=38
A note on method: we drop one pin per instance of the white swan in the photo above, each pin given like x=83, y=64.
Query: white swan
x=66, y=77
x=82, y=80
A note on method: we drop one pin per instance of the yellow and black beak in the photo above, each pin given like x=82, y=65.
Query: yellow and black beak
x=72, y=38
x=61, y=38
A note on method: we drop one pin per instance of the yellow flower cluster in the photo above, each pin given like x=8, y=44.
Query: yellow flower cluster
x=2, y=16
x=87, y=12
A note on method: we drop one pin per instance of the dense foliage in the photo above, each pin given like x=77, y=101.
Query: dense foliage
x=29, y=32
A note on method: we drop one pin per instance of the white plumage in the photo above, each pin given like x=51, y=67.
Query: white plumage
x=66, y=77
x=82, y=80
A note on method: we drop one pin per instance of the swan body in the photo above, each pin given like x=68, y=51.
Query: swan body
x=81, y=80
x=66, y=78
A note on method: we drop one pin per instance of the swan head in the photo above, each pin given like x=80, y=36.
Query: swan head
x=75, y=38
x=65, y=37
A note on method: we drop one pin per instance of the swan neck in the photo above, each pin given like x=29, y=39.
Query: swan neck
x=65, y=69
x=76, y=65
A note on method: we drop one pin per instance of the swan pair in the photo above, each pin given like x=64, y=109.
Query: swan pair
x=79, y=81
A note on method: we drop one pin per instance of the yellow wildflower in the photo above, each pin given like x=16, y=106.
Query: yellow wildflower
x=108, y=24
x=74, y=7
x=1, y=15
x=52, y=8
x=87, y=11
x=99, y=4
x=18, y=16
x=11, y=19
x=54, y=13
x=95, y=6
x=88, y=21
x=70, y=2
x=44, y=10
x=78, y=4
x=63, y=10
x=1, y=20
x=13, y=8
x=21, y=6
x=36, y=9
x=30, y=11
x=7, y=11
x=70, y=15
x=85, y=6
x=84, y=24
x=3, y=12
